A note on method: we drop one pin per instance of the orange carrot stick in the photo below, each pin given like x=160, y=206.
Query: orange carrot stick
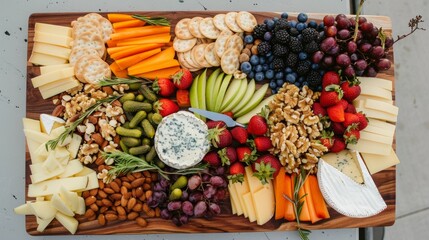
x=111, y=43
x=157, y=38
x=113, y=50
x=128, y=24
x=119, y=17
x=118, y=30
x=134, y=49
x=165, y=55
x=317, y=198
x=161, y=73
x=140, y=33
x=289, y=211
x=279, y=190
x=117, y=71
x=153, y=67
x=124, y=63
x=310, y=204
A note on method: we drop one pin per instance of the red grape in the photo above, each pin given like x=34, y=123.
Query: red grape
x=343, y=60
x=343, y=34
x=216, y=181
x=331, y=31
x=174, y=205
x=366, y=27
x=361, y=64
x=351, y=47
x=165, y=214
x=200, y=209
x=183, y=219
x=377, y=52
x=328, y=61
x=365, y=47
x=195, y=197
x=343, y=23
x=383, y=64
x=371, y=72
x=318, y=56
x=362, y=20
x=349, y=72
x=187, y=208
x=327, y=44
x=340, y=16
x=209, y=192
x=194, y=182
x=214, y=208
x=328, y=20
x=388, y=43
x=334, y=51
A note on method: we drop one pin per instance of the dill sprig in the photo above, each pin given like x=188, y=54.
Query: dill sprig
x=52, y=144
x=298, y=202
x=158, y=21
x=117, y=81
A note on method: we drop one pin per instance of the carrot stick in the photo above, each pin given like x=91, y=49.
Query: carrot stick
x=124, y=63
x=140, y=33
x=149, y=68
x=317, y=198
x=165, y=55
x=310, y=204
x=114, y=50
x=119, y=17
x=279, y=190
x=134, y=49
x=118, y=30
x=157, y=38
x=111, y=43
x=305, y=215
x=289, y=212
x=117, y=71
x=128, y=24
x=161, y=73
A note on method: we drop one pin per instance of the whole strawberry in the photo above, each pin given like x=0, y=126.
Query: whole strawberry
x=344, y=103
x=351, y=90
x=351, y=119
x=338, y=128
x=164, y=87
x=239, y=134
x=363, y=121
x=257, y=125
x=319, y=110
x=183, y=79
x=262, y=144
x=326, y=139
x=266, y=167
x=236, y=172
x=246, y=154
x=220, y=137
x=352, y=135
x=227, y=155
x=331, y=95
x=212, y=124
x=350, y=108
x=336, y=113
x=212, y=158
x=165, y=107
x=329, y=78
x=338, y=145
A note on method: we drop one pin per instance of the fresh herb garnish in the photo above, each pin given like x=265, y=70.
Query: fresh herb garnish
x=158, y=21
x=116, y=81
x=52, y=144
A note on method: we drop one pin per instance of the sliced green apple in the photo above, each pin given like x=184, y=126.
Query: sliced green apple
x=233, y=87
x=222, y=91
x=246, y=117
x=193, y=95
x=247, y=96
x=256, y=99
x=210, y=101
x=201, y=91
x=216, y=88
x=238, y=96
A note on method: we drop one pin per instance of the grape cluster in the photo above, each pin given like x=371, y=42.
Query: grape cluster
x=200, y=197
x=364, y=57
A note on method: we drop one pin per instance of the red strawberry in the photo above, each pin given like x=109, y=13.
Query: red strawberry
x=220, y=137
x=336, y=113
x=182, y=97
x=229, y=114
x=266, y=167
x=339, y=145
x=326, y=139
x=183, y=79
x=164, y=87
x=212, y=158
x=351, y=135
x=350, y=108
x=212, y=124
x=165, y=107
x=257, y=125
x=227, y=155
x=351, y=90
x=319, y=110
x=350, y=119
x=239, y=134
x=331, y=95
x=262, y=144
x=236, y=172
x=338, y=128
x=344, y=103
x=329, y=78
x=363, y=121
x=245, y=154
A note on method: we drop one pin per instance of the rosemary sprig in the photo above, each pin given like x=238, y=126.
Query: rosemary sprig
x=116, y=81
x=158, y=21
x=52, y=144
x=298, y=202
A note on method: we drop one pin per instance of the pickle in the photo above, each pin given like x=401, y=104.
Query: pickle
x=134, y=106
x=156, y=118
x=148, y=128
x=131, y=142
x=151, y=154
x=159, y=163
x=127, y=97
x=139, y=150
x=139, y=98
x=135, y=86
x=175, y=194
x=128, y=132
x=146, y=141
x=148, y=93
x=123, y=146
x=181, y=182
x=140, y=115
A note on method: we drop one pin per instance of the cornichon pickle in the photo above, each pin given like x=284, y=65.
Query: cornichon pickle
x=127, y=97
x=128, y=132
x=148, y=128
x=140, y=115
x=126, y=125
x=156, y=118
x=175, y=194
x=131, y=142
x=146, y=141
x=139, y=98
x=151, y=154
x=159, y=163
x=123, y=146
x=148, y=93
x=149, y=117
x=139, y=150
x=135, y=86
x=134, y=106
x=181, y=182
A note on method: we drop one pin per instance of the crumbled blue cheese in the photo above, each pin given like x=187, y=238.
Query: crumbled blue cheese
x=181, y=140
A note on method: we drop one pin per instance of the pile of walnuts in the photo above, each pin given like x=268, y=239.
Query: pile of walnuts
x=294, y=129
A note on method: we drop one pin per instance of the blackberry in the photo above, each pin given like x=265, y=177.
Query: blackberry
x=282, y=23
x=311, y=47
x=303, y=67
x=314, y=79
x=292, y=60
x=281, y=36
x=260, y=30
x=278, y=63
x=264, y=48
x=295, y=45
x=280, y=50
x=309, y=34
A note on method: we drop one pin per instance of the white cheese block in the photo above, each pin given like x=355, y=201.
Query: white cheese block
x=43, y=209
x=73, y=167
x=367, y=82
x=249, y=205
x=52, y=76
x=49, y=122
x=53, y=29
x=61, y=152
x=381, y=106
x=70, y=199
x=53, y=186
x=367, y=146
x=241, y=189
x=92, y=182
x=51, y=162
x=235, y=201
x=54, y=39
x=37, y=168
x=23, y=209
x=376, y=137
x=32, y=149
x=44, y=60
x=85, y=172
x=74, y=145
x=52, y=68
x=347, y=196
x=52, y=50
x=58, y=87
x=70, y=223
x=346, y=162
x=371, y=128
x=45, y=175
x=382, y=124
x=57, y=132
x=31, y=124
x=60, y=205
x=43, y=223
x=376, y=92
x=264, y=204
x=36, y=136
x=81, y=208
x=41, y=153
x=364, y=97
x=377, y=114
x=377, y=163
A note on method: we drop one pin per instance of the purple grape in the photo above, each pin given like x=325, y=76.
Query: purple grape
x=200, y=209
x=343, y=23
x=318, y=56
x=187, y=208
x=164, y=183
x=343, y=60
x=209, y=192
x=331, y=31
x=351, y=47
x=365, y=47
x=220, y=170
x=374, y=32
x=160, y=196
x=184, y=196
x=343, y=34
x=354, y=57
x=174, y=205
x=384, y=64
x=165, y=214
x=327, y=44
x=361, y=65
x=220, y=195
x=360, y=72
x=388, y=43
x=176, y=221
x=362, y=20
x=206, y=177
x=183, y=219
x=328, y=61
x=334, y=51
x=214, y=208
x=366, y=27
x=158, y=187
x=349, y=71
x=377, y=42
x=194, y=182
x=377, y=52
x=216, y=181
x=195, y=197
x=352, y=22
x=339, y=16
x=371, y=72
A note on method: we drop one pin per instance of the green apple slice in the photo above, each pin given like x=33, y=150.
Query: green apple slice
x=221, y=93
x=247, y=96
x=246, y=117
x=201, y=91
x=233, y=88
x=256, y=99
x=238, y=97
x=210, y=101
x=216, y=88
x=193, y=95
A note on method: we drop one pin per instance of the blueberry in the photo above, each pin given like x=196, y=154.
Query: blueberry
x=315, y=66
x=271, y=64
x=274, y=91
x=273, y=84
x=278, y=89
x=288, y=70
x=251, y=74
x=302, y=56
x=269, y=54
x=248, y=39
x=300, y=26
x=292, y=24
x=321, y=27
x=305, y=83
x=290, y=78
x=301, y=79
x=284, y=15
x=265, y=67
x=295, y=74
x=266, y=20
x=280, y=82
x=259, y=76
x=246, y=67
x=254, y=60
x=258, y=68
x=302, y=17
x=275, y=19
x=268, y=36
x=262, y=60
x=279, y=75
x=270, y=24
x=270, y=59
x=312, y=24
x=298, y=84
x=269, y=74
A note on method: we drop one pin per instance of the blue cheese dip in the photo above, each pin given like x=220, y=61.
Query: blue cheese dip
x=181, y=140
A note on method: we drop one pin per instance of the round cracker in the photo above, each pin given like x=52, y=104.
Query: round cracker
x=221, y=42
x=82, y=27
x=231, y=22
x=229, y=61
x=183, y=45
x=234, y=42
x=106, y=26
x=90, y=40
x=182, y=31
x=194, y=27
x=211, y=56
x=80, y=64
x=182, y=61
x=189, y=59
x=96, y=70
x=78, y=52
x=219, y=22
x=208, y=29
x=246, y=21
x=198, y=53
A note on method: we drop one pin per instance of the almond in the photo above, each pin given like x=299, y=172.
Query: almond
x=121, y=210
x=127, y=185
x=107, y=202
x=107, y=90
x=130, y=177
x=89, y=213
x=94, y=207
x=131, y=203
x=93, y=192
x=141, y=222
x=101, y=220
x=116, y=196
x=115, y=186
x=124, y=190
x=124, y=201
x=132, y=215
x=116, y=103
x=122, y=217
x=138, y=182
x=111, y=217
x=92, y=119
x=109, y=190
x=139, y=192
x=97, y=138
x=116, y=139
x=99, y=161
x=90, y=200
x=137, y=207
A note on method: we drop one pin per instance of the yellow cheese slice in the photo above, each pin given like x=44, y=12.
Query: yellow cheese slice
x=36, y=136
x=23, y=209
x=48, y=90
x=249, y=205
x=346, y=162
x=376, y=92
x=43, y=59
x=241, y=189
x=43, y=209
x=74, y=145
x=364, y=97
x=381, y=130
x=73, y=167
x=264, y=204
x=381, y=106
x=53, y=29
x=368, y=82
x=52, y=76
x=371, y=113
x=377, y=163
x=52, y=68
x=45, y=175
x=234, y=199
x=81, y=208
x=43, y=223
x=31, y=124
x=231, y=199
x=53, y=186
x=367, y=146
x=92, y=181
x=376, y=137
x=70, y=223
x=52, y=50
x=54, y=39
x=253, y=182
